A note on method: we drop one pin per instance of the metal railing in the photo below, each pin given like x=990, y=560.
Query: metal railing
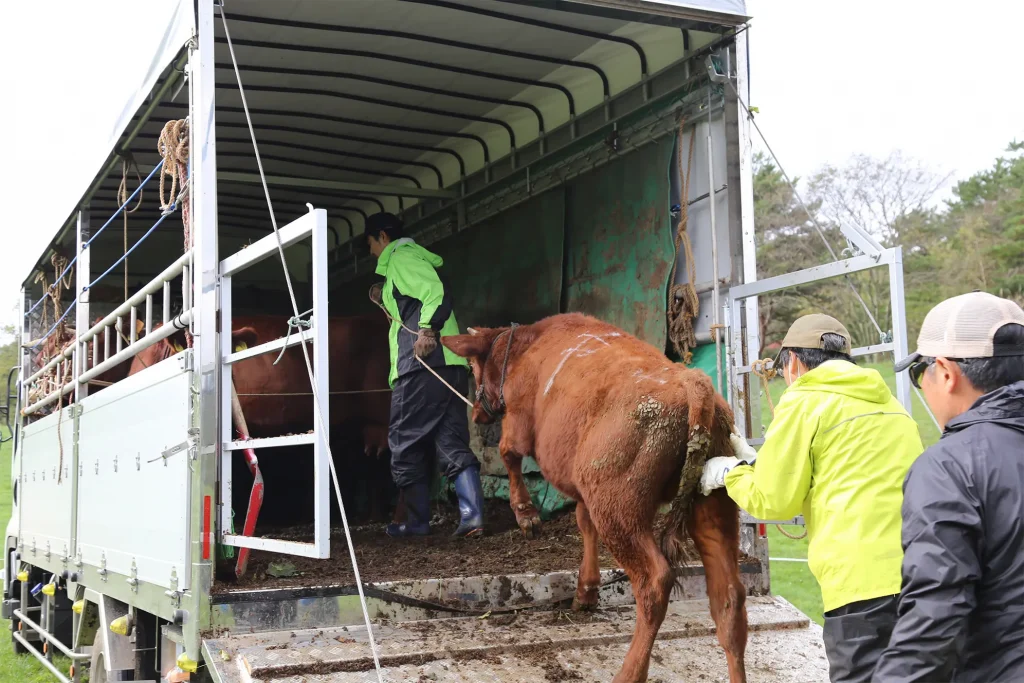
x=102, y=356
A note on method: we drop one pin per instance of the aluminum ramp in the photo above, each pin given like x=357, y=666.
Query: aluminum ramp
x=784, y=646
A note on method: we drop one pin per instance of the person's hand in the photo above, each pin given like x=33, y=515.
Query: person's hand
x=376, y=292
x=426, y=342
x=741, y=449
x=715, y=470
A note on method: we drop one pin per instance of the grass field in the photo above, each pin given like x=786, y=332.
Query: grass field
x=791, y=580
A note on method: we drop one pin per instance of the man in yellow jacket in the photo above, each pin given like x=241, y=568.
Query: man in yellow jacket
x=838, y=450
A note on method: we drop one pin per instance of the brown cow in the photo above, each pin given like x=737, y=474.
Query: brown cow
x=277, y=399
x=615, y=425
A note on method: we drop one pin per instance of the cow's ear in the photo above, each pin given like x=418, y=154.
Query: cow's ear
x=243, y=338
x=467, y=345
x=140, y=327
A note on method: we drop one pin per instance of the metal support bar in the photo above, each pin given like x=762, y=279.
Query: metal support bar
x=385, y=190
x=52, y=640
x=294, y=339
x=814, y=274
x=38, y=655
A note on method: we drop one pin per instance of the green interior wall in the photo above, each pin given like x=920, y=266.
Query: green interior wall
x=601, y=244
x=619, y=242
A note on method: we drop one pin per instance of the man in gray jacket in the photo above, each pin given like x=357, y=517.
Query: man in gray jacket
x=961, y=607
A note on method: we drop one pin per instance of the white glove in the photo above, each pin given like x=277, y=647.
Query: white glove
x=742, y=449
x=715, y=470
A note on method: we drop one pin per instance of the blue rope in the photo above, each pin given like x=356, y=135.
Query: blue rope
x=97, y=234
x=134, y=246
x=107, y=272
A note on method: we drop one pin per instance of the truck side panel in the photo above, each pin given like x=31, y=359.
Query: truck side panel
x=135, y=455
x=45, y=498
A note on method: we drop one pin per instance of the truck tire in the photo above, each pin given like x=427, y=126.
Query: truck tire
x=97, y=665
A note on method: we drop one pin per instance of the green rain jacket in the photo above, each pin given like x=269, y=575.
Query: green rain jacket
x=414, y=295
x=838, y=449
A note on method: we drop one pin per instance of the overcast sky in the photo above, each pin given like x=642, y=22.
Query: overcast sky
x=936, y=79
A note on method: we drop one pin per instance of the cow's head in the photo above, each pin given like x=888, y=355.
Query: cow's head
x=485, y=348
x=241, y=339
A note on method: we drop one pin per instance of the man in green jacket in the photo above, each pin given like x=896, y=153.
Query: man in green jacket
x=838, y=450
x=426, y=417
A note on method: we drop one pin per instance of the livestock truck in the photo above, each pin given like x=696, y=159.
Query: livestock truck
x=560, y=155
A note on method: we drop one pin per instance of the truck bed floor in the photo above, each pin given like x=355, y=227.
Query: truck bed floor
x=784, y=647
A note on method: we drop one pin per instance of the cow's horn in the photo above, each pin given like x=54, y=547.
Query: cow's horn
x=472, y=330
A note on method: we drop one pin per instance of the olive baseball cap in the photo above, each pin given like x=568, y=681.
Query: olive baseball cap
x=963, y=327
x=806, y=332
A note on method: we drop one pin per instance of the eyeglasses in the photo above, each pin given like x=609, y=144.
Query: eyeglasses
x=916, y=370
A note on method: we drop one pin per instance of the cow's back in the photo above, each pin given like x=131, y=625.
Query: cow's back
x=604, y=399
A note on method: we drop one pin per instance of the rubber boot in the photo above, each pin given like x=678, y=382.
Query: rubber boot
x=471, y=502
x=417, y=506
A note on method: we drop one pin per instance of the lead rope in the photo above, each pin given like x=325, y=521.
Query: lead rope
x=305, y=350
x=765, y=369
x=421, y=361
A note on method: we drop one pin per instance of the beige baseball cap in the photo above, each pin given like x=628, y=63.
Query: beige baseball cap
x=963, y=327
x=806, y=332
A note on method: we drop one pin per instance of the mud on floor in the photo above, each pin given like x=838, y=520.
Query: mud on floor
x=503, y=551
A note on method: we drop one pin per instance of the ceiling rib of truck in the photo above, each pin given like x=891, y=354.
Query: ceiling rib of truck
x=385, y=104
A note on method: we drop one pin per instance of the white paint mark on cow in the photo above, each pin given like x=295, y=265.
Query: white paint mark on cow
x=579, y=352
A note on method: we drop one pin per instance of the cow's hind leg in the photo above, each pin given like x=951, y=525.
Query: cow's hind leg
x=715, y=530
x=631, y=541
x=589, y=582
x=519, y=496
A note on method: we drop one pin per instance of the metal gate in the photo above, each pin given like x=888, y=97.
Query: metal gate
x=314, y=226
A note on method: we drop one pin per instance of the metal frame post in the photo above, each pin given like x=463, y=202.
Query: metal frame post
x=80, y=360
x=205, y=351
x=899, y=326
x=746, y=317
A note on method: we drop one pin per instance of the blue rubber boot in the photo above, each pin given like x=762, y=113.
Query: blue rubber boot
x=417, y=507
x=471, y=503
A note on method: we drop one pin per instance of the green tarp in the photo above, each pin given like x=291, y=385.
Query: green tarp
x=601, y=244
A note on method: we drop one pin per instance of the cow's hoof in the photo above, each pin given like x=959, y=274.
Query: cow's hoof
x=531, y=526
x=588, y=605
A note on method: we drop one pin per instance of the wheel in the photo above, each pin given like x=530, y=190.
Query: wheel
x=97, y=665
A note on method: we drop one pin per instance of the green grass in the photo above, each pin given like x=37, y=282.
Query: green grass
x=793, y=580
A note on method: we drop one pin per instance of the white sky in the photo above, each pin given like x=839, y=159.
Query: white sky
x=937, y=79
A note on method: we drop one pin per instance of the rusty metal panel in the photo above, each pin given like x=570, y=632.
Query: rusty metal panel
x=619, y=242
x=510, y=267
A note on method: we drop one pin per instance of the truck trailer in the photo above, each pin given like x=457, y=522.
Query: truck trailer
x=560, y=155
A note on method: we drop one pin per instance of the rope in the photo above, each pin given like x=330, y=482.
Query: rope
x=173, y=147
x=423, y=362
x=127, y=162
x=683, y=301
x=765, y=369
x=294, y=323
x=305, y=351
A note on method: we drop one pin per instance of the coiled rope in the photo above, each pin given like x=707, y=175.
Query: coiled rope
x=683, y=301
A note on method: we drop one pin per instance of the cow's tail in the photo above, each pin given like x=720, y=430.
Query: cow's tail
x=709, y=423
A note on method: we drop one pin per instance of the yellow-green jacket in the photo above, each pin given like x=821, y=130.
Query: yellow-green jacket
x=838, y=449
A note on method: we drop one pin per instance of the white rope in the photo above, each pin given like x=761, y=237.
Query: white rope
x=305, y=350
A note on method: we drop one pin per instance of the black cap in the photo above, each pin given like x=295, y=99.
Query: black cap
x=384, y=222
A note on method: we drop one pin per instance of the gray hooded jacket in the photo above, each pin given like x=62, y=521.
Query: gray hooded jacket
x=961, y=608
